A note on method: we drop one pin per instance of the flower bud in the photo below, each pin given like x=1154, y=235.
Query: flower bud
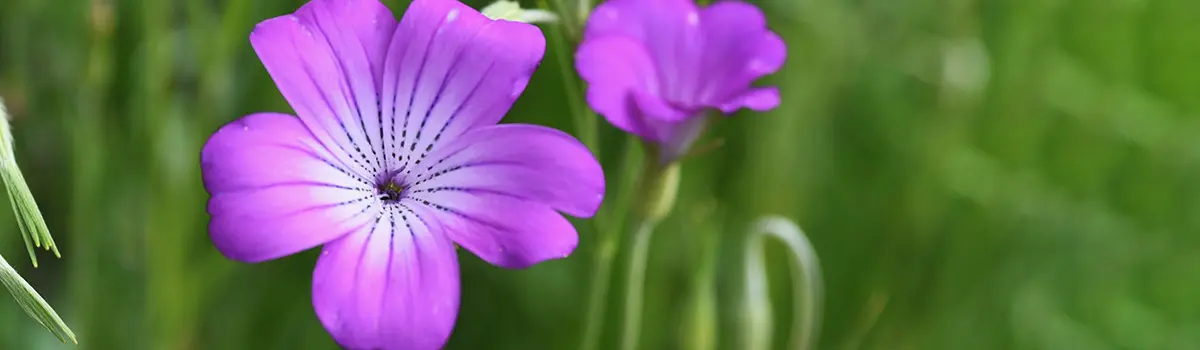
x=512, y=11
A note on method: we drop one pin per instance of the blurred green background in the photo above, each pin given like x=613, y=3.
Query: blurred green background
x=999, y=174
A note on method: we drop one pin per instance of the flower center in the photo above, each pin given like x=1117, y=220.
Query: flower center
x=390, y=191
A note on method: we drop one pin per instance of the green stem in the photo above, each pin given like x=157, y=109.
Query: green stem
x=609, y=239
x=601, y=271
x=699, y=331
x=569, y=18
x=584, y=118
x=636, y=284
x=656, y=192
x=807, y=287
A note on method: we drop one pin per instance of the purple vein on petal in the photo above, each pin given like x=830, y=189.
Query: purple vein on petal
x=407, y=155
x=434, y=190
x=344, y=168
x=310, y=153
x=392, y=146
x=344, y=85
x=322, y=206
x=450, y=73
x=429, y=173
x=457, y=110
x=434, y=175
x=332, y=205
x=417, y=216
x=328, y=104
x=460, y=214
x=362, y=253
x=387, y=274
x=325, y=99
x=366, y=53
x=297, y=183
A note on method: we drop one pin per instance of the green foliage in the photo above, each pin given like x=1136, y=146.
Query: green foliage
x=33, y=232
x=973, y=174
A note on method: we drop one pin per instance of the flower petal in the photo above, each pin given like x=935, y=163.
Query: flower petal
x=325, y=59
x=679, y=137
x=760, y=100
x=502, y=230
x=739, y=50
x=620, y=87
x=613, y=79
x=536, y=163
x=275, y=190
x=390, y=285
x=651, y=22
x=496, y=190
x=654, y=108
x=450, y=69
x=697, y=59
x=356, y=29
x=668, y=30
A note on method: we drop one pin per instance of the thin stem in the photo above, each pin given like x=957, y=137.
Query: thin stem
x=567, y=17
x=699, y=322
x=656, y=195
x=584, y=118
x=637, y=281
x=609, y=241
x=601, y=271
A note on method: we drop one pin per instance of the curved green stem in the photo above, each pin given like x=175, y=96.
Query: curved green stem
x=807, y=286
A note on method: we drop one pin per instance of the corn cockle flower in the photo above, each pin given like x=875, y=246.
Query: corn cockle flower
x=655, y=67
x=393, y=158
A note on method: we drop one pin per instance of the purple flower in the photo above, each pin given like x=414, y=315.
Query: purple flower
x=654, y=67
x=395, y=158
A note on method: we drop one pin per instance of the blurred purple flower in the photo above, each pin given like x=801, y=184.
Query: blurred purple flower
x=394, y=159
x=654, y=67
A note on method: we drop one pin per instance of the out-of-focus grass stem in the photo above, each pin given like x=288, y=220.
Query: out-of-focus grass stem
x=561, y=43
x=699, y=330
x=169, y=292
x=640, y=252
x=608, y=224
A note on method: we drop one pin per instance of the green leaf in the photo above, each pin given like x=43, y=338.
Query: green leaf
x=33, y=231
x=33, y=303
x=29, y=218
